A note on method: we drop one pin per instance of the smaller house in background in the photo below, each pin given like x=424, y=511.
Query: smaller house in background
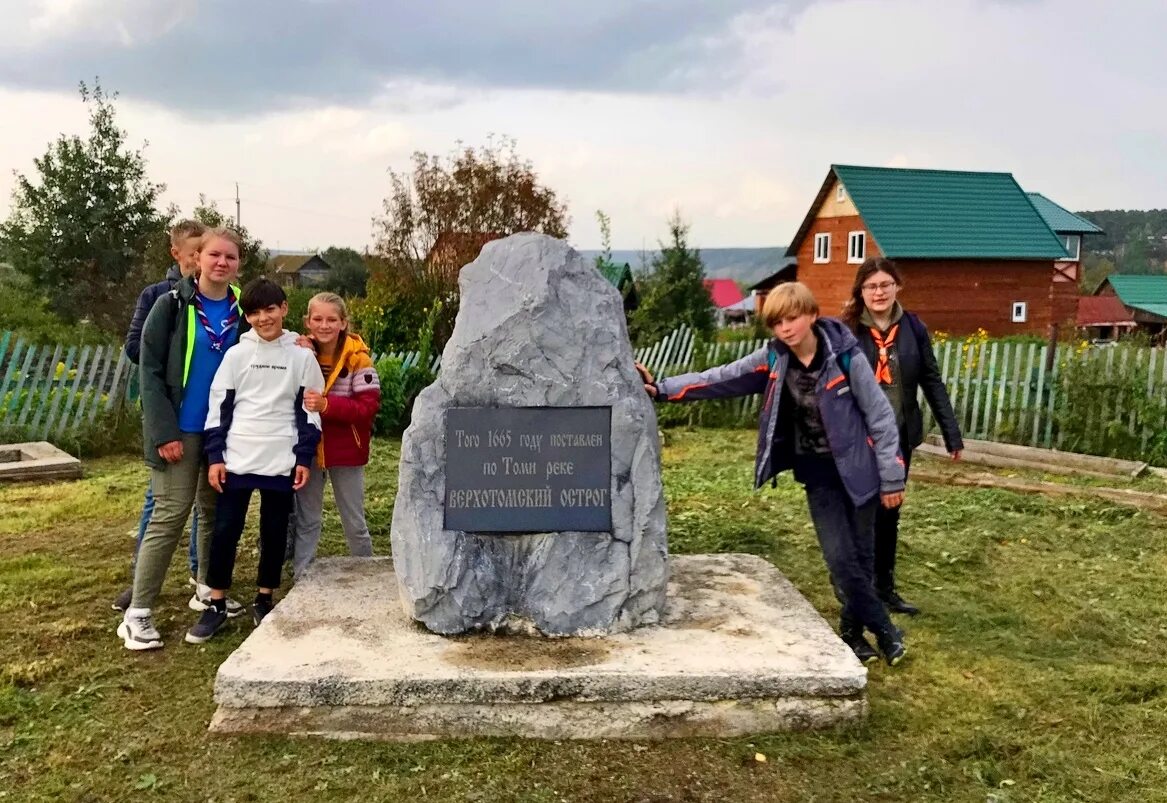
x=620, y=277
x=1143, y=297
x=298, y=270
x=1103, y=317
x=724, y=293
x=787, y=272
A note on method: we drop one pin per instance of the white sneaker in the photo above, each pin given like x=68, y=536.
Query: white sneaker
x=138, y=632
x=202, y=600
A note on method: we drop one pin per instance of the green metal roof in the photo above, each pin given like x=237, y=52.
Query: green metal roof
x=619, y=276
x=1146, y=293
x=943, y=214
x=1060, y=219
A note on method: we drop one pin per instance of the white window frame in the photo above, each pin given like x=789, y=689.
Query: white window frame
x=1020, y=311
x=856, y=255
x=1077, y=253
x=822, y=255
x=840, y=193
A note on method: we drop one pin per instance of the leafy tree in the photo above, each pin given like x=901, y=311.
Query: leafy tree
x=1095, y=269
x=79, y=229
x=673, y=291
x=436, y=219
x=1133, y=256
x=349, y=273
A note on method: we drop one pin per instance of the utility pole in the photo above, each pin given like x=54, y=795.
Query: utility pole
x=237, y=222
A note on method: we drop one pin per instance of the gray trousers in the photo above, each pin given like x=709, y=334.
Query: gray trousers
x=177, y=488
x=348, y=486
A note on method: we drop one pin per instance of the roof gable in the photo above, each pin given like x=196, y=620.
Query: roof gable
x=1060, y=219
x=942, y=214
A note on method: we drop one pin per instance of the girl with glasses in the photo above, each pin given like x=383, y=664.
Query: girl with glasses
x=897, y=345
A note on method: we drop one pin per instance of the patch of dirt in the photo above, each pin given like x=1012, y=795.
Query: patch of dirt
x=524, y=653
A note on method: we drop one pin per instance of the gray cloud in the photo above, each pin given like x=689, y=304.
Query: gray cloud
x=229, y=57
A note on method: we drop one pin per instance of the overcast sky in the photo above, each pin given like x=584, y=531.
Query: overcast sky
x=730, y=110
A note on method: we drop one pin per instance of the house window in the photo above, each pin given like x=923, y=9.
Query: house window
x=1020, y=311
x=822, y=247
x=856, y=247
x=1073, y=244
x=840, y=195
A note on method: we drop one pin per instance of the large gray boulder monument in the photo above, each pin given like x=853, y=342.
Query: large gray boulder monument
x=538, y=327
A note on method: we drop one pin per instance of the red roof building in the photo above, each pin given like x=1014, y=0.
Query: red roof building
x=1103, y=316
x=723, y=292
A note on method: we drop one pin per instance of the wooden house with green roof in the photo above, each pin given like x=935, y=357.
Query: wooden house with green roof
x=973, y=248
x=1145, y=298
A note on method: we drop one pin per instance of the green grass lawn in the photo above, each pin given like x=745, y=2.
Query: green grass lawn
x=1037, y=671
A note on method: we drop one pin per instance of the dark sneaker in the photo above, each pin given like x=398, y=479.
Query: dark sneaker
x=122, y=603
x=897, y=604
x=260, y=609
x=891, y=644
x=207, y=626
x=201, y=601
x=861, y=647
x=137, y=631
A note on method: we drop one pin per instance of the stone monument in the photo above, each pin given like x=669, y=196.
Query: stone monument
x=533, y=459
x=529, y=504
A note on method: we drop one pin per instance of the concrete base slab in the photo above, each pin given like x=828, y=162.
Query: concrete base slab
x=38, y=460
x=740, y=652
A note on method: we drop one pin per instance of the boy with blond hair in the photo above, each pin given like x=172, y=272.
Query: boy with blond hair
x=825, y=417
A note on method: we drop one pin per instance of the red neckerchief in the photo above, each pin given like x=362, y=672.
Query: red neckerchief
x=882, y=367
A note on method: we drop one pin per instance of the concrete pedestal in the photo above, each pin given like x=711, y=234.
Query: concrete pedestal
x=740, y=652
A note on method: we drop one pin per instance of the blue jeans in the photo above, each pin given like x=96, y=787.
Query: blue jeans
x=147, y=510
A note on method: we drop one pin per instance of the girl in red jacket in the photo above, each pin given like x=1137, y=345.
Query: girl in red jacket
x=347, y=407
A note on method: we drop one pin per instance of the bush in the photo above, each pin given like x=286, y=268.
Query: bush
x=400, y=385
x=1104, y=407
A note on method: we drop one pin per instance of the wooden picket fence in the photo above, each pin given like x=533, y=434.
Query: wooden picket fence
x=1001, y=391
x=49, y=390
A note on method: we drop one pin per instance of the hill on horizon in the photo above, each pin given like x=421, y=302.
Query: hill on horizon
x=744, y=265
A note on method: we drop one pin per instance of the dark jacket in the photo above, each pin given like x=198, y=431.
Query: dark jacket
x=918, y=370
x=167, y=346
x=858, y=419
x=142, y=309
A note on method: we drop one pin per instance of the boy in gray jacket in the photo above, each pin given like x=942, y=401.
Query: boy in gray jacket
x=825, y=417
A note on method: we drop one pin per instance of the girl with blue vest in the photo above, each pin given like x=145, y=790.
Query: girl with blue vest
x=824, y=417
x=183, y=342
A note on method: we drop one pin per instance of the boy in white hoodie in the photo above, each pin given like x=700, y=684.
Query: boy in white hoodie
x=259, y=436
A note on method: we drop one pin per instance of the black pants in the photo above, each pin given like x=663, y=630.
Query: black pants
x=846, y=534
x=887, y=534
x=274, y=509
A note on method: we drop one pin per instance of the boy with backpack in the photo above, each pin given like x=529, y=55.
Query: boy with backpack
x=825, y=417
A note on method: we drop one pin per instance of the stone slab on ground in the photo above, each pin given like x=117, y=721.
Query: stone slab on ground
x=38, y=460
x=740, y=651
